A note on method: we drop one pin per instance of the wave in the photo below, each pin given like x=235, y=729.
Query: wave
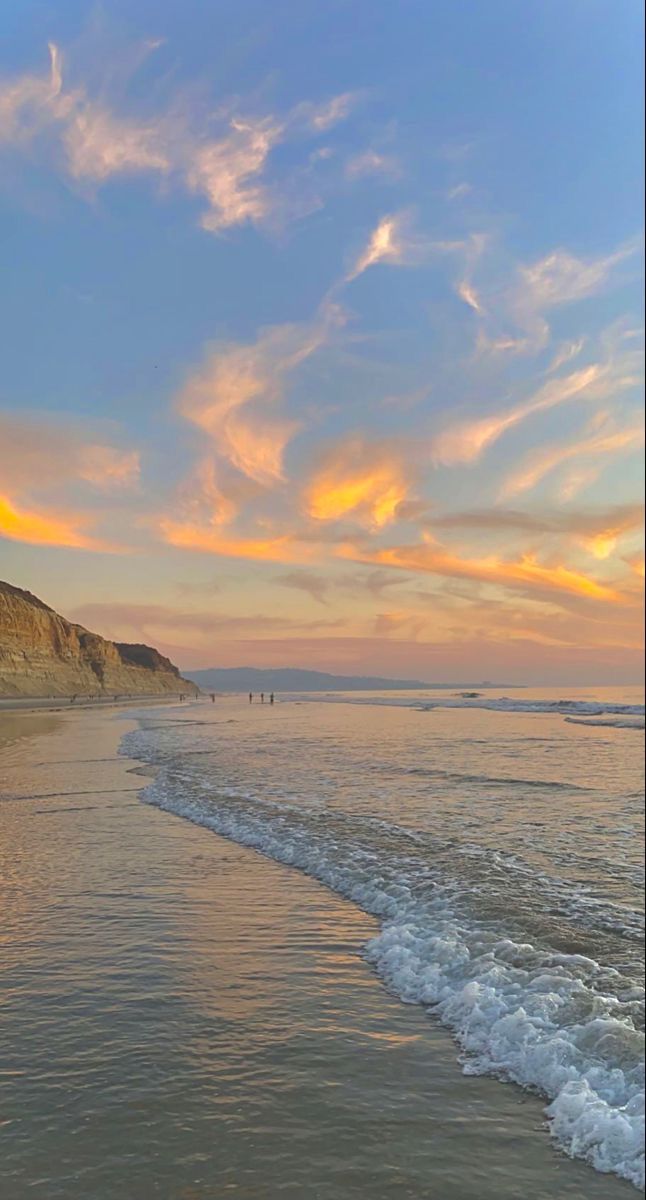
x=583, y=708
x=610, y=722
x=554, y=1021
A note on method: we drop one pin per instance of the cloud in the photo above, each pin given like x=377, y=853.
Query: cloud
x=37, y=453
x=393, y=241
x=459, y=191
x=370, y=162
x=235, y=397
x=117, y=619
x=467, y=292
x=324, y=116
x=358, y=476
x=565, y=353
x=636, y=564
x=96, y=143
x=313, y=584
x=467, y=440
x=223, y=171
x=524, y=574
x=99, y=145
x=208, y=540
x=557, y=279
x=319, y=586
x=561, y=278
x=598, y=445
x=44, y=528
x=620, y=518
x=386, y=244
x=30, y=103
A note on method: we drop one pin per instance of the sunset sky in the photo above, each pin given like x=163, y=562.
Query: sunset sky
x=322, y=331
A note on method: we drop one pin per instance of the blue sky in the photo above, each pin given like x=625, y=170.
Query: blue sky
x=323, y=328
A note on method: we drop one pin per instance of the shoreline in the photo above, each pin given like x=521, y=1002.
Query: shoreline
x=29, y=704
x=199, y=1018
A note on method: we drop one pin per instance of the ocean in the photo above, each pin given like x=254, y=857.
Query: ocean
x=498, y=840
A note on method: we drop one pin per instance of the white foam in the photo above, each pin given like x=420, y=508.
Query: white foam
x=583, y=708
x=611, y=722
x=559, y=1023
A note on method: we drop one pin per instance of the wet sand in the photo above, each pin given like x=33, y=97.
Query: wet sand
x=185, y=1019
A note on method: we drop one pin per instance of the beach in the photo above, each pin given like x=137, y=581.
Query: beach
x=185, y=1018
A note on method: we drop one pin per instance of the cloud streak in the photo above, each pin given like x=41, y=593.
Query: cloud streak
x=540, y=463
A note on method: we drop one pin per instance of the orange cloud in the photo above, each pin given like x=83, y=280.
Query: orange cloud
x=235, y=396
x=44, y=529
x=432, y=558
x=358, y=477
x=210, y=541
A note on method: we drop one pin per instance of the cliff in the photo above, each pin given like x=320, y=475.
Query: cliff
x=42, y=654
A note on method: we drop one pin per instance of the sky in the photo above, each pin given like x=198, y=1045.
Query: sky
x=323, y=331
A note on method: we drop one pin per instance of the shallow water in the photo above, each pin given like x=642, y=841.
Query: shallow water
x=185, y=1019
x=499, y=847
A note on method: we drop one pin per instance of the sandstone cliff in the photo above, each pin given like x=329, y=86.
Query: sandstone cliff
x=42, y=654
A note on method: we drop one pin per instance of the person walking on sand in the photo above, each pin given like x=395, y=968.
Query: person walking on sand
x=262, y=697
x=212, y=698
x=271, y=698
x=251, y=697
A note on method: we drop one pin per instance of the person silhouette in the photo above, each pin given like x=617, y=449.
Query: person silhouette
x=271, y=698
x=262, y=697
x=251, y=697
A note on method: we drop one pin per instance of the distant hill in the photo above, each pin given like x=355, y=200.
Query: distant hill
x=288, y=679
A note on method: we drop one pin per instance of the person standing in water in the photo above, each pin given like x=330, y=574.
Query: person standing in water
x=271, y=698
x=262, y=697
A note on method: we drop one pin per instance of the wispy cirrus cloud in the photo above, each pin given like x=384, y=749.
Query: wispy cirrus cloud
x=591, y=450
x=92, y=142
x=466, y=440
x=235, y=398
x=372, y=162
x=394, y=241
x=517, y=312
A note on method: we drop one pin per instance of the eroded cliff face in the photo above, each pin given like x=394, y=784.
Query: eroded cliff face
x=42, y=654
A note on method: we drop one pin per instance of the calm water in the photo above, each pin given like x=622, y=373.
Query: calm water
x=499, y=844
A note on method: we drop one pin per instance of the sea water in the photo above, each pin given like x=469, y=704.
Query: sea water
x=498, y=839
